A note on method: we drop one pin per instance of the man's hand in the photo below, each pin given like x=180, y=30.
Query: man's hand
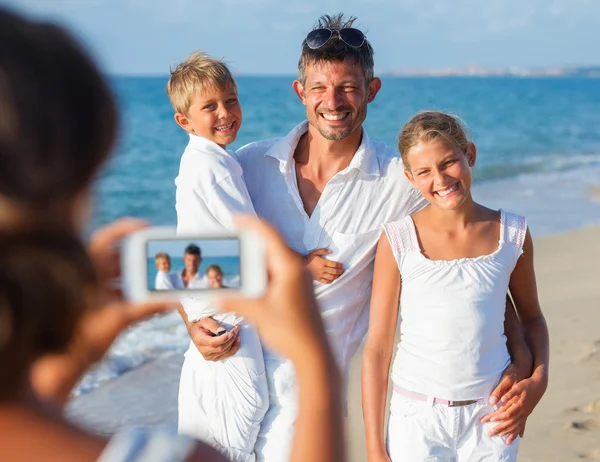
x=515, y=372
x=214, y=345
x=321, y=269
x=517, y=404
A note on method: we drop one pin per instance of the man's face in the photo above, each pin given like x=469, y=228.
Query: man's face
x=191, y=262
x=336, y=95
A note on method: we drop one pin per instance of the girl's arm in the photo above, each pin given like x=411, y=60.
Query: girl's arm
x=520, y=401
x=379, y=347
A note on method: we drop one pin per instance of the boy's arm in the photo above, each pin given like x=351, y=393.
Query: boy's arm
x=229, y=198
x=192, y=202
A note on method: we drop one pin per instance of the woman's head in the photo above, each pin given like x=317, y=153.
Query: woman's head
x=438, y=156
x=58, y=122
x=46, y=282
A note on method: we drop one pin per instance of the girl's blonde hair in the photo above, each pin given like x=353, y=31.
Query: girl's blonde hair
x=427, y=126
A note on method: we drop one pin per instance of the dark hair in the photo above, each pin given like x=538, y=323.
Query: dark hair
x=335, y=49
x=58, y=122
x=215, y=268
x=193, y=249
x=45, y=284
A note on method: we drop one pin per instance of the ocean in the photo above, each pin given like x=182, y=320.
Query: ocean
x=538, y=154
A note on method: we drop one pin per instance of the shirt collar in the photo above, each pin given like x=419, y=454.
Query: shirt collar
x=365, y=158
x=203, y=144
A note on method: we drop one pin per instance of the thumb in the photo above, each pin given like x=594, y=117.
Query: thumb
x=210, y=325
x=251, y=309
x=504, y=386
x=522, y=432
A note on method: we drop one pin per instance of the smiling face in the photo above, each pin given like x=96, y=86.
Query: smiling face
x=336, y=95
x=441, y=172
x=215, y=114
x=191, y=263
x=215, y=278
x=163, y=264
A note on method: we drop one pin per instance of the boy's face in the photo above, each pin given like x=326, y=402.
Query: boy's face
x=215, y=114
x=163, y=264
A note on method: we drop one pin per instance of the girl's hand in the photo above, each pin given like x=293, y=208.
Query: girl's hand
x=53, y=376
x=323, y=270
x=518, y=403
x=287, y=317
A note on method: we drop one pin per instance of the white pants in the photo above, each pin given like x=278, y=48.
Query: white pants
x=276, y=435
x=418, y=431
x=223, y=403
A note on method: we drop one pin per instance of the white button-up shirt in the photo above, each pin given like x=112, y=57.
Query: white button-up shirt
x=210, y=192
x=348, y=220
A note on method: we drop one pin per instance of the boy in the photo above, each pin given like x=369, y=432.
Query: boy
x=165, y=280
x=222, y=402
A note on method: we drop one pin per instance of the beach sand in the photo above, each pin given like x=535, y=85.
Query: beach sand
x=564, y=427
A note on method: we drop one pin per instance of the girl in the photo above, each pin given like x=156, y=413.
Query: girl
x=449, y=267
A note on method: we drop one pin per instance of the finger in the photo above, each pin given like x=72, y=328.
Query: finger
x=208, y=343
x=235, y=346
x=507, y=381
x=325, y=281
x=332, y=270
x=108, y=235
x=522, y=432
x=320, y=252
x=511, y=393
x=507, y=412
x=279, y=255
x=328, y=277
x=512, y=431
x=211, y=325
x=333, y=264
x=135, y=312
x=252, y=309
x=504, y=427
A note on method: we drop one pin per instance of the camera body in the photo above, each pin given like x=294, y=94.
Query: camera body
x=159, y=264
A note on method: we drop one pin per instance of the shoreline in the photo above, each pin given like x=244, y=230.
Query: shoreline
x=565, y=425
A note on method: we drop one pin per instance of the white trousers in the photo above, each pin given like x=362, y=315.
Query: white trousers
x=274, y=443
x=223, y=403
x=418, y=431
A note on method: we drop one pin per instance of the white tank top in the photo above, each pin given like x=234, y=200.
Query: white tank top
x=452, y=343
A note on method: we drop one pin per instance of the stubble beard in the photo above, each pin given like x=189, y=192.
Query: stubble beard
x=338, y=135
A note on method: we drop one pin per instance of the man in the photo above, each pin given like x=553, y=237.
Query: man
x=190, y=278
x=325, y=185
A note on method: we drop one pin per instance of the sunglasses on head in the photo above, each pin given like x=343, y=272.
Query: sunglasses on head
x=350, y=36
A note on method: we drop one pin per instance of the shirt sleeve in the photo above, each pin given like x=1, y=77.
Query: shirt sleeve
x=229, y=198
x=163, y=282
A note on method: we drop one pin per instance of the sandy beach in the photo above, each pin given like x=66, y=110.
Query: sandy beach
x=565, y=426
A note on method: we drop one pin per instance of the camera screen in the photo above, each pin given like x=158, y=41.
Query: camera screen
x=198, y=264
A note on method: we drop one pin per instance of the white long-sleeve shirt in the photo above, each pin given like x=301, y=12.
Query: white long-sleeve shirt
x=210, y=192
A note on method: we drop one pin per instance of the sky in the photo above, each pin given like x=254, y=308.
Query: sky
x=263, y=37
x=209, y=247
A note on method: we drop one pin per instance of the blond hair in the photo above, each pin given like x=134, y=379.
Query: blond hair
x=427, y=126
x=197, y=73
x=162, y=256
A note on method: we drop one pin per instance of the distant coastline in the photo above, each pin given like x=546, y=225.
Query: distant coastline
x=513, y=71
